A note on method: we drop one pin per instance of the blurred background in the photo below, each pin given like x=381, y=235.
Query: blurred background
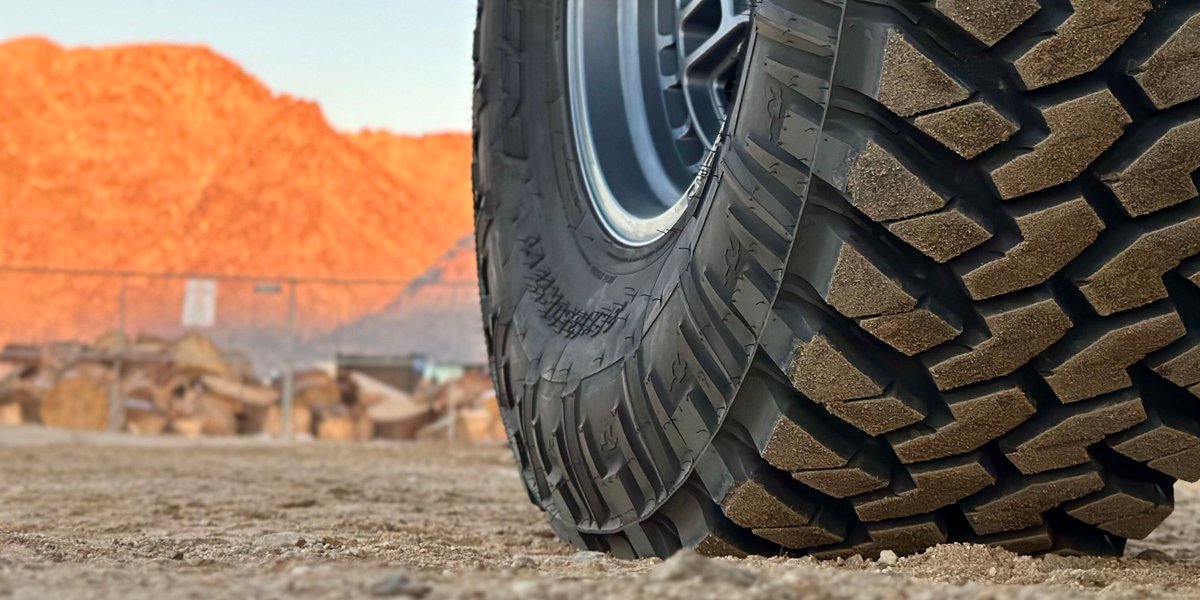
x=224, y=218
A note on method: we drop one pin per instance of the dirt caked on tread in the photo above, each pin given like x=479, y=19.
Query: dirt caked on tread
x=941, y=283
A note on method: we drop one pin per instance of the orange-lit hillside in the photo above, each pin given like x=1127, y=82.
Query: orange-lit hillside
x=171, y=158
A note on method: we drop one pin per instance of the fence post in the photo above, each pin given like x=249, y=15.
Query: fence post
x=116, y=408
x=289, y=366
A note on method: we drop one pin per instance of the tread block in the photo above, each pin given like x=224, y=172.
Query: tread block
x=1018, y=335
x=1169, y=76
x=1099, y=365
x=1025, y=541
x=1060, y=437
x=796, y=538
x=1162, y=175
x=789, y=432
x=911, y=332
x=941, y=235
x=977, y=420
x=1125, y=507
x=991, y=21
x=881, y=414
x=934, y=485
x=773, y=512
x=757, y=503
x=1133, y=277
x=909, y=536
x=1181, y=368
x=1165, y=442
x=1083, y=41
x=714, y=546
x=1080, y=130
x=1019, y=504
x=968, y=130
x=1184, y=464
x=859, y=476
x=824, y=373
x=885, y=190
x=858, y=288
x=1052, y=237
x=862, y=285
x=911, y=83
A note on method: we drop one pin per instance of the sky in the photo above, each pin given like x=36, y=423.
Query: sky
x=401, y=65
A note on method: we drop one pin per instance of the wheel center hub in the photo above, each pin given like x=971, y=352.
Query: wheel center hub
x=650, y=85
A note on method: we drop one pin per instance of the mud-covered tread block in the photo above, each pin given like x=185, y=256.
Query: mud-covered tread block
x=942, y=235
x=969, y=130
x=1124, y=507
x=1017, y=335
x=716, y=546
x=1184, y=465
x=1171, y=75
x=1051, y=238
x=885, y=190
x=1085, y=39
x=1080, y=131
x=823, y=372
x=881, y=414
x=800, y=537
x=1181, y=368
x=1033, y=540
x=1161, y=176
x=1060, y=438
x=861, y=475
x=911, y=83
x=911, y=332
x=1168, y=441
x=934, y=485
x=1019, y=504
x=1133, y=277
x=859, y=289
x=991, y=21
x=758, y=503
x=909, y=536
x=977, y=418
x=790, y=433
x=1100, y=363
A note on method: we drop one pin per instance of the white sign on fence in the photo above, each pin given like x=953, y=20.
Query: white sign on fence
x=200, y=303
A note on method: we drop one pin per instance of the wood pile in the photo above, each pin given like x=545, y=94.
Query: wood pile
x=191, y=387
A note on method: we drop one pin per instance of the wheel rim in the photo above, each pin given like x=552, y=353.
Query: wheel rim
x=650, y=83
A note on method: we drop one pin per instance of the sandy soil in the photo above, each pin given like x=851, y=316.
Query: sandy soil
x=102, y=516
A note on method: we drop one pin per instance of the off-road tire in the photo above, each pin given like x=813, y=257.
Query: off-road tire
x=941, y=284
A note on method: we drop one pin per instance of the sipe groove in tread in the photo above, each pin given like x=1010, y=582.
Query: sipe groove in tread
x=949, y=294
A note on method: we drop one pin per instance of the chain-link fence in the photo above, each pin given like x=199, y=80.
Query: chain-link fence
x=212, y=354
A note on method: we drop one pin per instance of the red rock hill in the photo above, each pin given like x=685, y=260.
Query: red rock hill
x=172, y=158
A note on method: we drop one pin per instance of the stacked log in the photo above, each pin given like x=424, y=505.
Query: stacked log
x=191, y=387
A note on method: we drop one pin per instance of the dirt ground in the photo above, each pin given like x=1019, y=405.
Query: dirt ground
x=99, y=516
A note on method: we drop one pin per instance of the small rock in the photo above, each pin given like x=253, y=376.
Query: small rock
x=588, y=556
x=888, y=558
x=1155, y=556
x=178, y=555
x=522, y=561
x=686, y=565
x=285, y=539
x=398, y=585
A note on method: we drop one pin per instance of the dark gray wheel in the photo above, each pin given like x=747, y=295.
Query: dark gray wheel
x=830, y=277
